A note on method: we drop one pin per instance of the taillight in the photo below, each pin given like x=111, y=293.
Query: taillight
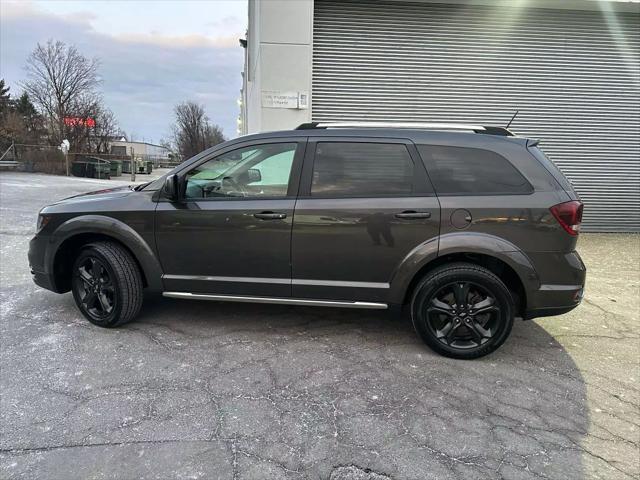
x=569, y=215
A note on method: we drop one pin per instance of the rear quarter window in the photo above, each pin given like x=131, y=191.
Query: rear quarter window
x=552, y=168
x=472, y=171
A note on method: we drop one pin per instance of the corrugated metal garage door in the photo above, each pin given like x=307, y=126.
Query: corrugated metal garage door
x=574, y=76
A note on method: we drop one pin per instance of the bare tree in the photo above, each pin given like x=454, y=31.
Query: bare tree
x=80, y=124
x=192, y=132
x=60, y=80
x=105, y=129
x=167, y=142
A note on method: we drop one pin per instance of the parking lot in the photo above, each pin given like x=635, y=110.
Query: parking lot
x=239, y=391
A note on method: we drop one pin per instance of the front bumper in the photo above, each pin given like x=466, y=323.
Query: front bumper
x=43, y=280
x=562, y=280
x=40, y=274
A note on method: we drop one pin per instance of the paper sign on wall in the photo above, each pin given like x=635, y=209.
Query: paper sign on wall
x=278, y=99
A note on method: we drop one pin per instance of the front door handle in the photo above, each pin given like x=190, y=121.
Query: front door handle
x=270, y=215
x=412, y=215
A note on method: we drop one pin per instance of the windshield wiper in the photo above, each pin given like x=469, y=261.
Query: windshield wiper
x=137, y=188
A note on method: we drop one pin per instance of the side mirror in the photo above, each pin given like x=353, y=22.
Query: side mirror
x=171, y=189
x=253, y=175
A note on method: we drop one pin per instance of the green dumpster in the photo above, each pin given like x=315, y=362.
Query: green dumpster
x=115, y=168
x=79, y=169
x=144, y=166
x=141, y=166
x=98, y=168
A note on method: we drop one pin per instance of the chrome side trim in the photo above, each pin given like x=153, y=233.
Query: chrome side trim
x=210, y=278
x=276, y=300
x=559, y=288
x=338, y=283
x=284, y=281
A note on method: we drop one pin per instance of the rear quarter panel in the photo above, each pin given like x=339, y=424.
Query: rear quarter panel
x=523, y=220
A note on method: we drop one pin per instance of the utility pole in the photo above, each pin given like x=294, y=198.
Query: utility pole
x=133, y=165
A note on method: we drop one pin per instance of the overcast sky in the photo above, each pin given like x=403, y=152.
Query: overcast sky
x=153, y=54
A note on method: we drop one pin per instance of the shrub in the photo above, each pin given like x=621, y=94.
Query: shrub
x=49, y=160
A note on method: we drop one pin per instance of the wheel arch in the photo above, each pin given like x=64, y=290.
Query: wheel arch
x=71, y=236
x=497, y=255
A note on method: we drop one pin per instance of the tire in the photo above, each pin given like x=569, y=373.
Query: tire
x=478, y=327
x=107, y=284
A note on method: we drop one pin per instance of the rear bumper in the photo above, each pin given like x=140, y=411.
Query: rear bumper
x=562, y=279
x=557, y=299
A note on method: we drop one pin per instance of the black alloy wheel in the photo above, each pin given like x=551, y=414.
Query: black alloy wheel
x=462, y=311
x=107, y=284
x=463, y=315
x=95, y=287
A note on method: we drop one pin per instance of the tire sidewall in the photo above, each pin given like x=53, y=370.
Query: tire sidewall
x=438, y=279
x=113, y=317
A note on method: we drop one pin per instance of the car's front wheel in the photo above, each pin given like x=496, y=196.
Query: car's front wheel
x=462, y=310
x=107, y=284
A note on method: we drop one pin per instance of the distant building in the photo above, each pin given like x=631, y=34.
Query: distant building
x=142, y=151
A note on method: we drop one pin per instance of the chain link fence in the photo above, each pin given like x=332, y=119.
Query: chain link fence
x=37, y=158
x=50, y=159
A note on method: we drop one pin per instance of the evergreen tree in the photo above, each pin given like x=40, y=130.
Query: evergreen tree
x=5, y=97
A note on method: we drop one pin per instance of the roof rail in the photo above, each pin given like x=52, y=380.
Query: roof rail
x=458, y=127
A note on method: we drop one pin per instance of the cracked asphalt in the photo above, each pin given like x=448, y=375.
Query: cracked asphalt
x=238, y=391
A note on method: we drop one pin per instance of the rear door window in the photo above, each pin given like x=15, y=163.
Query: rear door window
x=471, y=171
x=355, y=169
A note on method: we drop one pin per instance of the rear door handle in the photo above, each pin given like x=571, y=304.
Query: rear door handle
x=270, y=215
x=412, y=214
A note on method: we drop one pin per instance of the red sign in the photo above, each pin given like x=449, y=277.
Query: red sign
x=77, y=121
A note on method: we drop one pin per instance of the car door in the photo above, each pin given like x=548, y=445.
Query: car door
x=364, y=205
x=230, y=234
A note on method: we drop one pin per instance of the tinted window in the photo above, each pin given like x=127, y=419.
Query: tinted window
x=256, y=171
x=471, y=171
x=362, y=170
x=552, y=168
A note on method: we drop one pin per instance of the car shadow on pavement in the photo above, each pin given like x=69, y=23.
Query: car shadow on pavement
x=269, y=391
x=310, y=389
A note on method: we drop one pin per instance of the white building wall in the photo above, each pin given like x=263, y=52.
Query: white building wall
x=279, y=57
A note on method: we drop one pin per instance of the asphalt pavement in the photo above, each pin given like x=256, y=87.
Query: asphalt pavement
x=237, y=391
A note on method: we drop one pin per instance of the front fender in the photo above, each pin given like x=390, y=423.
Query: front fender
x=110, y=227
x=458, y=243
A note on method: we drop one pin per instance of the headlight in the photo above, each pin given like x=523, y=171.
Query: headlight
x=42, y=222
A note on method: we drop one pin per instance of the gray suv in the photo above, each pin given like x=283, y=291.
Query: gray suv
x=467, y=226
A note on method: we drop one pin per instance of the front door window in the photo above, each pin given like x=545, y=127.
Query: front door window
x=259, y=171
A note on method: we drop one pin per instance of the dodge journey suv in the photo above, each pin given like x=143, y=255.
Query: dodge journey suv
x=468, y=227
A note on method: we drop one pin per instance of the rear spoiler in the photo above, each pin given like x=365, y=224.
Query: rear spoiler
x=500, y=131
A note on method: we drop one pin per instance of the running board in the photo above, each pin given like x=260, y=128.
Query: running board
x=276, y=300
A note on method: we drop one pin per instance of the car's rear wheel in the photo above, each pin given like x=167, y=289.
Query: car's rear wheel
x=462, y=311
x=107, y=284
